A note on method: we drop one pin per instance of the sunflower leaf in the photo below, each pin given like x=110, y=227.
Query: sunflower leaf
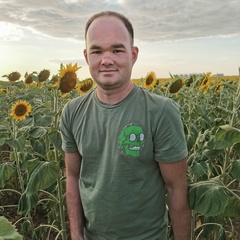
x=225, y=137
x=235, y=170
x=55, y=139
x=43, y=175
x=6, y=171
x=38, y=132
x=8, y=231
x=18, y=144
x=41, y=120
x=27, y=202
x=199, y=170
x=208, y=197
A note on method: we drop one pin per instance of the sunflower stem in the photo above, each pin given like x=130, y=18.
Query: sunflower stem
x=59, y=182
x=19, y=173
x=236, y=103
x=17, y=160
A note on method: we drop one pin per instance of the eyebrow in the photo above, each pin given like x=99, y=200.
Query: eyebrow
x=117, y=45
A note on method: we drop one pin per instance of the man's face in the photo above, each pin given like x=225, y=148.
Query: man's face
x=109, y=52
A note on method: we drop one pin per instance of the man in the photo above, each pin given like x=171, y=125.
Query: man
x=123, y=146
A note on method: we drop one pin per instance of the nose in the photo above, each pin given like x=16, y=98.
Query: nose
x=107, y=60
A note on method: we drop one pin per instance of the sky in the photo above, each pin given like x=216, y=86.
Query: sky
x=173, y=36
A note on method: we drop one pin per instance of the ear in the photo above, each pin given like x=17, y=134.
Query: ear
x=135, y=51
x=85, y=55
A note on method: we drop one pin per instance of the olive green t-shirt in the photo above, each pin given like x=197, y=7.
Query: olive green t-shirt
x=121, y=187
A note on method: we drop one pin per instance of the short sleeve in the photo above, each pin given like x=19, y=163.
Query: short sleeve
x=169, y=141
x=68, y=141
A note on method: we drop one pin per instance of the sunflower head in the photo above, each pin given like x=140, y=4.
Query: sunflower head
x=4, y=90
x=205, y=84
x=85, y=86
x=20, y=110
x=28, y=80
x=188, y=81
x=43, y=75
x=150, y=81
x=68, y=77
x=218, y=88
x=54, y=79
x=176, y=86
x=68, y=82
x=205, y=79
x=14, y=76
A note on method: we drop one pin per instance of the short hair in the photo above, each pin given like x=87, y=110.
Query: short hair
x=120, y=16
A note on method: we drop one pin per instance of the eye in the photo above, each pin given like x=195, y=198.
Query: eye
x=141, y=137
x=96, y=52
x=132, y=137
x=117, y=51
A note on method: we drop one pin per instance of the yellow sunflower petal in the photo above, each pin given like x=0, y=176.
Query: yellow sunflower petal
x=85, y=86
x=150, y=81
x=20, y=110
x=68, y=77
x=69, y=68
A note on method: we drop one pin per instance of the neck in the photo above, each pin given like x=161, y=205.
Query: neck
x=114, y=96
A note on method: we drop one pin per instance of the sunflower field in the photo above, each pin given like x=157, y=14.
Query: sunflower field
x=32, y=173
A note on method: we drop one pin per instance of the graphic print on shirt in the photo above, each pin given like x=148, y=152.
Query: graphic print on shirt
x=131, y=140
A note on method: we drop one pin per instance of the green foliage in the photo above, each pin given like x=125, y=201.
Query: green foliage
x=212, y=127
x=34, y=159
x=235, y=169
x=33, y=166
x=6, y=171
x=225, y=137
x=8, y=231
x=208, y=197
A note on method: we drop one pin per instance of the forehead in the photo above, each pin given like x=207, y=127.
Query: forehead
x=107, y=27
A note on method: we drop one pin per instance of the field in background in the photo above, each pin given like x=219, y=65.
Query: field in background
x=32, y=173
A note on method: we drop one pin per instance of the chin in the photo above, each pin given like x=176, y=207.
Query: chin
x=108, y=81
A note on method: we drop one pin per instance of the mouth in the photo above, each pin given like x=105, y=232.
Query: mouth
x=107, y=71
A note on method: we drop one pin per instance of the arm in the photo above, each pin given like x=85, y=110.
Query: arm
x=175, y=177
x=74, y=204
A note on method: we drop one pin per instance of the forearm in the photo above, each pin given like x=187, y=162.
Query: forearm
x=180, y=214
x=75, y=210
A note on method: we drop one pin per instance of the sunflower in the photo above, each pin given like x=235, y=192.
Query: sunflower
x=150, y=81
x=4, y=90
x=14, y=76
x=85, y=86
x=20, y=110
x=28, y=80
x=205, y=84
x=54, y=79
x=43, y=75
x=176, y=86
x=68, y=77
x=188, y=81
x=218, y=87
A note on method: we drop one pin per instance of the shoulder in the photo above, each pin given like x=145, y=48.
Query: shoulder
x=76, y=106
x=78, y=101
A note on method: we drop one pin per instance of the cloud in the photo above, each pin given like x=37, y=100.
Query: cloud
x=10, y=32
x=79, y=61
x=153, y=20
